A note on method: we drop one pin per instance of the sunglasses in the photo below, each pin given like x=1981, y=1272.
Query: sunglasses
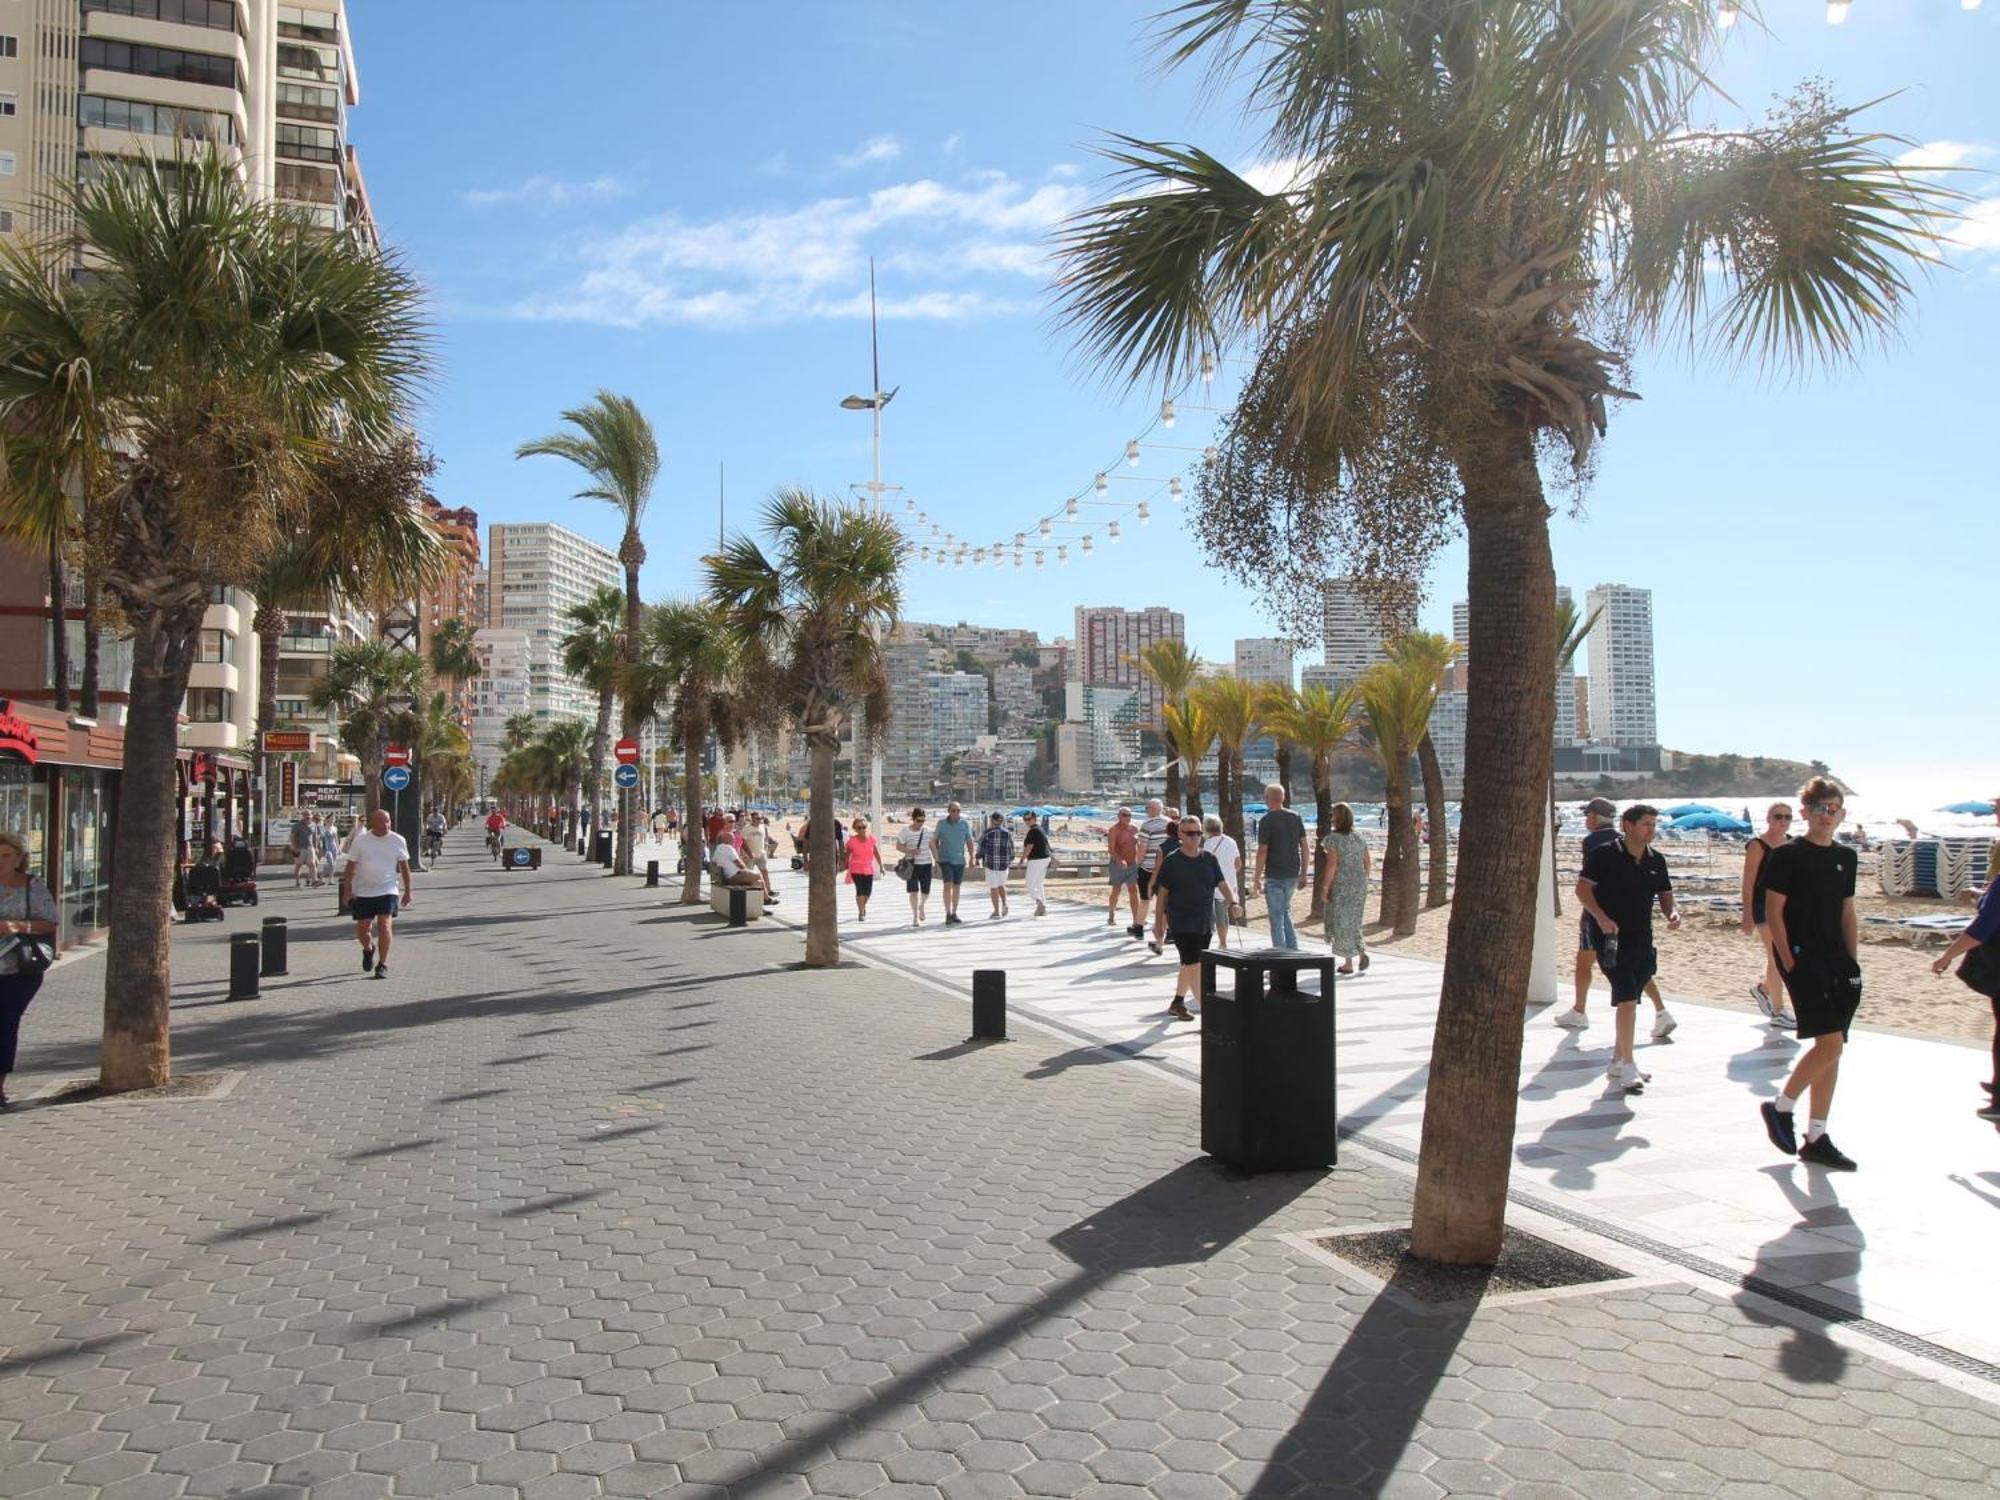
x=1190, y=833
x=1825, y=809
x=1780, y=817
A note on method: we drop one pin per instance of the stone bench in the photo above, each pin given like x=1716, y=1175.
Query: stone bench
x=741, y=904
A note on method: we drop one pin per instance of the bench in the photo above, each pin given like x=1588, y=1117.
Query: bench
x=741, y=904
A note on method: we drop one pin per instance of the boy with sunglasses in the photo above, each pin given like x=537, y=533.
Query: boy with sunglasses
x=1184, y=888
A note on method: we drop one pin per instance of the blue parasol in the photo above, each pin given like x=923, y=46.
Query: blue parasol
x=1974, y=808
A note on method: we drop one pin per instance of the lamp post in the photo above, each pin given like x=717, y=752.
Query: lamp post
x=873, y=404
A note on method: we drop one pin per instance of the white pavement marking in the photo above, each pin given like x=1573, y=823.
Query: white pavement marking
x=1904, y=1241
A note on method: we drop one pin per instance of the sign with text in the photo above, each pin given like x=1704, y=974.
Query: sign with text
x=280, y=741
x=627, y=752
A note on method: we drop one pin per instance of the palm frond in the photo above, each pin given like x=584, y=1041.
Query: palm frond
x=614, y=443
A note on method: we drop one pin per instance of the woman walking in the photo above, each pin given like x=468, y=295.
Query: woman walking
x=1343, y=889
x=1035, y=855
x=1769, y=992
x=918, y=846
x=27, y=910
x=864, y=858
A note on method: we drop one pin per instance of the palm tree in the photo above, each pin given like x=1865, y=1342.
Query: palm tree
x=374, y=689
x=1573, y=628
x=1190, y=735
x=1319, y=721
x=1231, y=706
x=519, y=730
x=454, y=652
x=808, y=618
x=444, y=749
x=613, y=443
x=551, y=765
x=593, y=652
x=230, y=342
x=1427, y=651
x=1275, y=700
x=1489, y=194
x=688, y=661
x=1171, y=665
x=1397, y=696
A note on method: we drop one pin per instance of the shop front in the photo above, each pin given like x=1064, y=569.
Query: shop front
x=59, y=791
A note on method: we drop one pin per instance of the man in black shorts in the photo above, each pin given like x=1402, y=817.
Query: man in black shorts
x=1600, y=821
x=1618, y=885
x=1184, y=889
x=1809, y=911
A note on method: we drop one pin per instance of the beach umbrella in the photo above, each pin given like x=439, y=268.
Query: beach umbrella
x=1718, y=822
x=1687, y=808
x=1974, y=808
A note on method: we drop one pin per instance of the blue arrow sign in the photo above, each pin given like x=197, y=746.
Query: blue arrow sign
x=395, y=778
x=626, y=775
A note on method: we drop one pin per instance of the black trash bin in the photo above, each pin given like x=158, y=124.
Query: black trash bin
x=603, y=837
x=1267, y=1062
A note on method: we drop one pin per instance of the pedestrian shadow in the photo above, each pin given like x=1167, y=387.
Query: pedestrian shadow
x=262, y=1227
x=1976, y=1190
x=1563, y=1069
x=1807, y=1356
x=959, y=1049
x=550, y=1203
x=394, y=1148
x=1758, y=1067
x=1096, y=1054
x=1580, y=1159
x=436, y=1314
x=52, y=1358
x=1181, y=1219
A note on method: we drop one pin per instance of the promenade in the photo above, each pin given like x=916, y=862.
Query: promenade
x=599, y=1197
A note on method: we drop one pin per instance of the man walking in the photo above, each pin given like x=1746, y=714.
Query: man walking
x=1809, y=910
x=1281, y=836
x=1184, y=890
x=1618, y=886
x=1156, y=841
x=377, y=861
x=996, y=856
x=305, y=857
x=954, y=844
x=1600, y=821
x=1121, y=865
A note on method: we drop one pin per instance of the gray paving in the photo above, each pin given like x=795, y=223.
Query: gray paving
x=595, y=1197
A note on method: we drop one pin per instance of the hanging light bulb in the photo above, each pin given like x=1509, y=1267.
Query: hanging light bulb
x=1836, y=12
x=1045, y=528
x=1132, y=453
x=1070, y=507
x=1208, y=369
x=1969, y=4
x=979, y=557
x=1062, y=555
x=1087, y=544
x=958, y=561
x=1174, y=489
x=1725, y=13
x=923, y=554
x=1145, y=513
x=1208, y=456
x=1102, y=486
x=1020, y=540
x=999, y=558
x=1167, y=414
x=1111, y=532
x=1041, y=561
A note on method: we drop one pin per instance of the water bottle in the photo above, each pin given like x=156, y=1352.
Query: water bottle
x=1610, y=950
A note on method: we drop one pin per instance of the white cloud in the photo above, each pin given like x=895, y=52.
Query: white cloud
x=1979, y=228
x=954, y=252
x=952, y=143
x=542, y=191
x=875, y=149
x=1933, y=155
x=1978, y=225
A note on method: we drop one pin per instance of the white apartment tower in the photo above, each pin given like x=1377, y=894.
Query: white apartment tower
x=1361, y=617
x=1264, y=659
x=1622, y=710
x=1461, y=633
x=535, y=571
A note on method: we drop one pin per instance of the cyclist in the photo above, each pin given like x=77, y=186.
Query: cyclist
x=433, y=836
x=496, y=827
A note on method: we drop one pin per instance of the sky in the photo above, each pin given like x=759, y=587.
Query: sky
x=679, y=203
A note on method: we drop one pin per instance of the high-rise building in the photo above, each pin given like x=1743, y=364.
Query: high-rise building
x=1099, y=738
x=1448, y=738
x=499, y=692
x=908, y=661
x=1264, y=659
x=1109, y=642
x=1460, y=675
x=1361, y=616
x=1622, y=710
x=456, y=594
x=535, y=571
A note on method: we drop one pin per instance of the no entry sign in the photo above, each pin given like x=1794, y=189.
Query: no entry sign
x=627, y=752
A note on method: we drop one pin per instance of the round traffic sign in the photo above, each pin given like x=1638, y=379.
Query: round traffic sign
x=395, y=755
x=519, y=858
x=627, y=752
x=395, y=778
x=626, y=775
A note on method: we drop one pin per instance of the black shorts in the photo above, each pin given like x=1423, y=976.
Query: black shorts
x=367, y=908
x=919, y=879
x=864, y=885
x=1145, y=883
x=1588, y=934
x=1191, y=945
x=1636, y=965
x=1825, y=991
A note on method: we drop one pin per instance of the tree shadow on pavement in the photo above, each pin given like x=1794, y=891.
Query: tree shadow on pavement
x=1182, y=1219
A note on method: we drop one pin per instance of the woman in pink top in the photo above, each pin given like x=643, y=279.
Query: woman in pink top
x=863, y=862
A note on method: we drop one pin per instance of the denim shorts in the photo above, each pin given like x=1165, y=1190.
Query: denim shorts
x=951, y=874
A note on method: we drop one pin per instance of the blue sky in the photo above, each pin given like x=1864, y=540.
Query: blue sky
x=679, y=202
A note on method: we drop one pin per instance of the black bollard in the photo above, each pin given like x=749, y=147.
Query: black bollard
x=243, y=954
x=274, y=941
x=652, y=872
x=989, y=1005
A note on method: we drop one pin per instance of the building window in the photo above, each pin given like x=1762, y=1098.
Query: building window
x=307, y=184
x=308, y=143
x=6, y=221
x=306, y=25
x=10, y=104
x=216, y=646
x=7, y=164
x=301, y=101
x=316, y=64
x=211, y=705
x=159, y=62
x=216, y=15
x=154, y=119
x=10, y=46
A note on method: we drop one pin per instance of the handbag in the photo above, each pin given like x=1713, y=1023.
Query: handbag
x=33, y=952
x=1980, y=969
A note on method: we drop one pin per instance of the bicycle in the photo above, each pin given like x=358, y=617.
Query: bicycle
x=494, y=844
x=433, y=848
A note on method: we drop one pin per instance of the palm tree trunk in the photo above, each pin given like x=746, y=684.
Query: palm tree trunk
x=93, y=595
x=822, y=921
x=1439, y=834
x=1284, y=754
x=1322, y=773
x=1229, y=793
x=1194, y=788
x=632, y=552
x=137, y=975
x=1399, y=859
x=269, y=623
x=1173, y=777
x=58, y=624
x=1468, y=1134
x=600, y=746
x=691, y=823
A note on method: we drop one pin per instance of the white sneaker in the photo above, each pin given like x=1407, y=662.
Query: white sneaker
x=1571, y=1020
x=1663, y=1024
x=1626, y=1076
x=1783, y=1020
x=1763, y=999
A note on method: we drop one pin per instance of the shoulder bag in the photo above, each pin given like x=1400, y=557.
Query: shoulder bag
x=33, y=952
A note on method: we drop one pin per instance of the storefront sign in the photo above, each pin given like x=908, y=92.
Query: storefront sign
x=278, y=741
x=17, y=735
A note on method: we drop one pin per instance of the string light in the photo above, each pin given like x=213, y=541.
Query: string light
x=1101, y=485
x=1071, y=508
x=1836, y=12
x=1167, y=414
x=1208, y=457
x=1046, y=527
x=1725, y=13
x=1111, y=533
x=1174, y=489
x=1040, y=561
x=1208, y=369
x=1132, y=453
x=1145, y=513
x=1087, y=546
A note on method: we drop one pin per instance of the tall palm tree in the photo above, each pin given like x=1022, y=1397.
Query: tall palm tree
x=1174, y=668
x=808, y=617
x=1275, y=701
x=1573, y=628
x=1397, y=696
x=454, y=652
x=594, y=653
x=1231, y=706
x=614, y=444
x=551, y=765
x=230, y=342
x=375, y=690
x=688, y=661
x=1190, y=735
x=1320, y=721
x=519, y=730
x=1489, y=193
x=1426, y=650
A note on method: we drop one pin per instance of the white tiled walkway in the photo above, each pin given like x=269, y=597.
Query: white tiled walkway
x=1907, y=1241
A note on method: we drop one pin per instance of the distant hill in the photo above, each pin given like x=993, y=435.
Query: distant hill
x=1705, y=775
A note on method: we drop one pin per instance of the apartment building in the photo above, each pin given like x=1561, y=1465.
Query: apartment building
x=1264, y=659
x=535, y=571
x=1622, y=708
x=456, y=595
x=1460, y=676
x=1360, y=617
x=499, y=692
x=1109, y=642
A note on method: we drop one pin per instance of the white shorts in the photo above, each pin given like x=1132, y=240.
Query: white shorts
x=995, y=878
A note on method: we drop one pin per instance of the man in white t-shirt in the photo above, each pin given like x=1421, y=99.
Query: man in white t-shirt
x=377, y=861
x=730, y=870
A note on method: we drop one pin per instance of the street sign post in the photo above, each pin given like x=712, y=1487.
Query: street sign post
x=395, y=755
x=395, y=778
x=627, y=752
x=627, y=774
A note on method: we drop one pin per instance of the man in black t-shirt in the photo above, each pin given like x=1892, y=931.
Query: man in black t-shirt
x=1809, y=912
x=1184, y=889
x=1618, y=886
x=1600, y=821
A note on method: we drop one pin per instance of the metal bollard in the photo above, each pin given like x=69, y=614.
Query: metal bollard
x=652, y=872
x=275, y=943
x=243, y=953
x=989, y=1005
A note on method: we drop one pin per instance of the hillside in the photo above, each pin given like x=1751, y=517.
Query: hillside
x=1705, y=775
